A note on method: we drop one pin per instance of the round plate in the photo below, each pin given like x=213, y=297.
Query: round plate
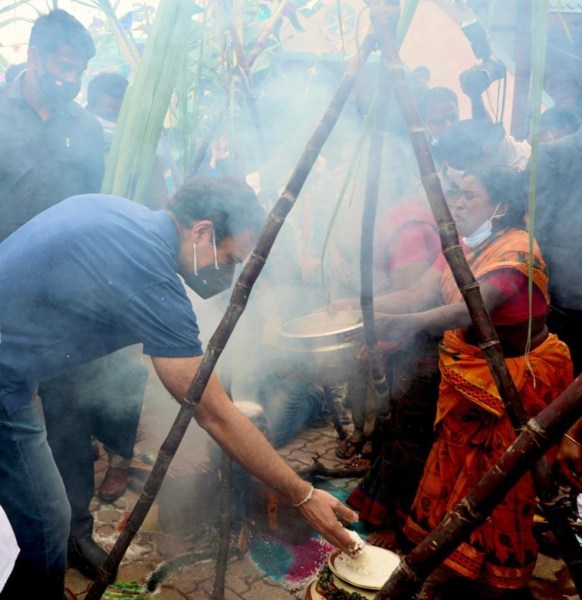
x=339, y=563
x=314, y=592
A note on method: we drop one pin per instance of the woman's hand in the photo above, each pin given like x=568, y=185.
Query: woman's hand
x=343, y=304
x=322, y=513
x=394, y=328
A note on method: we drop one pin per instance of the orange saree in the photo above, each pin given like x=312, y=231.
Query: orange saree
x=473, y=431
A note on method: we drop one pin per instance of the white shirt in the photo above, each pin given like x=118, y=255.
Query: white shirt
x=8, y=549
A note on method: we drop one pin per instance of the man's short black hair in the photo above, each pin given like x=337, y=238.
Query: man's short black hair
x=559, y=117
x=469, y=141
x=435, y=95
x=59, y=27
x=229, y=202
x=106, y=84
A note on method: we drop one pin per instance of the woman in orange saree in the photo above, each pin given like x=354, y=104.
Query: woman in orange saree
x=472, y=428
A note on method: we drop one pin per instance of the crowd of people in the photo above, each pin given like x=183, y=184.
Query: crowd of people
x=87, y=279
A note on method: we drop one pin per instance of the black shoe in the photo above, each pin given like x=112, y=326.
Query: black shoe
x=85, y=555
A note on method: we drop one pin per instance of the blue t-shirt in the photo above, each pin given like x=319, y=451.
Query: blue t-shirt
x=86, y=277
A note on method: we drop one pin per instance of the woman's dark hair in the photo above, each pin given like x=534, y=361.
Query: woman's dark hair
x=503, y=184
x=229, y=202
x=59, y=27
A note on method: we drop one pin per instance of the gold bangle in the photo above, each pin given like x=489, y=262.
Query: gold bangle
x=569, y=437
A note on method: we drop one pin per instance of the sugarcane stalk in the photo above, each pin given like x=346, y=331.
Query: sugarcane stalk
x=224, y=526
x=224, y=521
x=403, y=26
x=380, y=22
x=266, y=32
x=137, y=132
x=523, y=70
x=205, y=143
x=536, y=438
x=197, y=87
x=407, y=14
x=553, y=502
x=245, y=74
x=275, y=220
x=337, y=424
x=253, y=55
x=125, y=41
x=237, y=304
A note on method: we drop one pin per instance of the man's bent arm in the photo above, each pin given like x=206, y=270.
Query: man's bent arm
x=248, y=446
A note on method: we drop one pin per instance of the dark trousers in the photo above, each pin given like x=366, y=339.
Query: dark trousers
x=101, y=399
x=34, y=498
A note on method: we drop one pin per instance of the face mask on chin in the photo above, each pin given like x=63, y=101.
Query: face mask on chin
x=211, y=280
x=483, y=232
x=55, y=92
x=478, y=236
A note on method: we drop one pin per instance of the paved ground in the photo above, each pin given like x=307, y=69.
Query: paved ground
x=172, y=530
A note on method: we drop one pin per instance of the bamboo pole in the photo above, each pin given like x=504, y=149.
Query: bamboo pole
x=553, y=502
x=224, y=526
x=536, y=438
x=225, y=515
x=380, y=24
x=235, y=309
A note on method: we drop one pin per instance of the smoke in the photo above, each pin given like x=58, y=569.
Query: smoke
x=316, y=257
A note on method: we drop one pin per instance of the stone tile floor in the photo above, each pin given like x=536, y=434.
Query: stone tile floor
x=171, y=530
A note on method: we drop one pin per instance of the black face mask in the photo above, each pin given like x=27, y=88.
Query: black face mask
x=211, y=280
x=55, y=92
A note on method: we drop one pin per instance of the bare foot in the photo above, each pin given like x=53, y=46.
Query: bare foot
x=360, y=462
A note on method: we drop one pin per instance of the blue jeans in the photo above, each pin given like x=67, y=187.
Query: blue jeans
x=33, y=495
x=290, y=404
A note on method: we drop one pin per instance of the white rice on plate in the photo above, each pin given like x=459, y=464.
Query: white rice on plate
x=370, y=568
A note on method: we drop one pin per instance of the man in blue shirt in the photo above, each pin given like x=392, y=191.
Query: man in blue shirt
x=97, y=273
